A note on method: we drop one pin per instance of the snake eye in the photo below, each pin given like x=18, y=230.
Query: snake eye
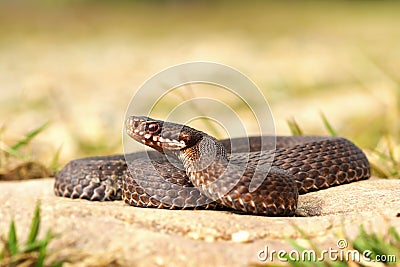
x=153, y=127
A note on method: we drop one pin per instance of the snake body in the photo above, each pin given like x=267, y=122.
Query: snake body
x=195, y=170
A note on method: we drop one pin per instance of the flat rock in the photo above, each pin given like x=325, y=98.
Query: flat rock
x=113, y=232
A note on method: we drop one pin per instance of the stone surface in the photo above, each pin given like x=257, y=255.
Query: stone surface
x=113, y=232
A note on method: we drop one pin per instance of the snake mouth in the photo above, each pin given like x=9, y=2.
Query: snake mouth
x=154, y=133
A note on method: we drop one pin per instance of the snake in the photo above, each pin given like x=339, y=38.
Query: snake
x=189, y=169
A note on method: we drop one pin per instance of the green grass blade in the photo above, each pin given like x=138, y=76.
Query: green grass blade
x=12, y=241
x=9, y=151
x=390, y=148
x=378, y=245
x=328, y=125
x=35, y=225
x=54, y=165
x=294, y=127
x=296, y=246
x=43, y=249
x=38, y=244
x=34, y=252
x=394, y=234
x=57, y=264
x=34, y=246
x=378, y=171
x=28, y=137
x=3, y=251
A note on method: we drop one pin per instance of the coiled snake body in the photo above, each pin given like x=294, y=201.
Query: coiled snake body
x=195, y=170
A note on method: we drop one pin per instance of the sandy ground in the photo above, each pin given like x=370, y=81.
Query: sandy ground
x=114, y=232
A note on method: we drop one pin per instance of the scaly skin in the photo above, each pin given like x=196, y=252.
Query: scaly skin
x=198, y=171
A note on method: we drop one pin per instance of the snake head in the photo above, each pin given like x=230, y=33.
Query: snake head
x=160, y=135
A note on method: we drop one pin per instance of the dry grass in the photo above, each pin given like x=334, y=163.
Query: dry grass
x=78, y=64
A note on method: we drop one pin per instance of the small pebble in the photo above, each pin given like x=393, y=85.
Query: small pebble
x=241, y=237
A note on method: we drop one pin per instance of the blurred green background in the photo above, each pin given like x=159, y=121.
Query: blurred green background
x=77, y=63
